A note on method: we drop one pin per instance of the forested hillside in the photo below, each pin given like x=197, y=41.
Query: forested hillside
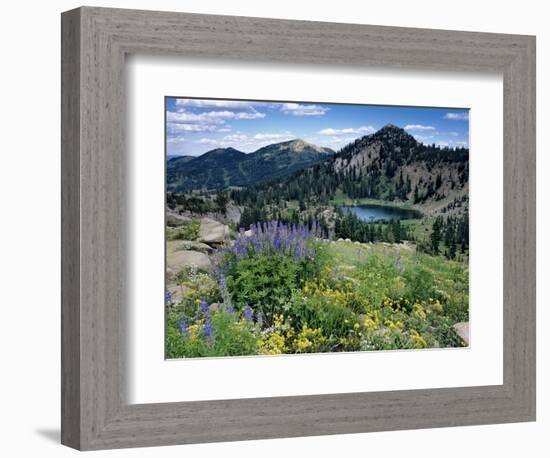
x=225, y=167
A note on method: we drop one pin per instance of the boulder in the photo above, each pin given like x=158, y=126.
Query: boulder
x=233, y=213
x=212, y=231
x=463, y=330
x=170, y=274
x=176, y=292
x=174, y=219
x=215, y=307
x=177, y=260
x=177, y=245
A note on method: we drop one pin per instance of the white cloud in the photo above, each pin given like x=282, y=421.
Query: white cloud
x=297, y=109
x=461, y=143
x=462, y=116
x=176, y=127
x=207, y=141
x=249, y=115
x=216, y=117
x=176, y=139
x=182, y=116
x=208, y=121
x=235, y=138
x=336, y=139
x=423, y=138
x=348, y=130
x=202, y=103
x=418, y=127
x=275, y=136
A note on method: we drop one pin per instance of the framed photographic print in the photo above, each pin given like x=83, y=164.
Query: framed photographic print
x=287, y=228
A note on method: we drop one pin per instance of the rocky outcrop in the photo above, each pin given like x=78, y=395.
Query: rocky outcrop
x=178, y=259
x=175, y=245
x=175, y=219
x=463, y=331
x=212, y=231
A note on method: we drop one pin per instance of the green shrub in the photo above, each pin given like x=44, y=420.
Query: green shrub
x=265, y=282
x=189, y=231
x=420, y=284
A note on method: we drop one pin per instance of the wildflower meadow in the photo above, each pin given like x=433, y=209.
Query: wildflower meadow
x=281, y=288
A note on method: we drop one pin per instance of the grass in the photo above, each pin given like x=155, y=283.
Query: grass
x=341, y=199
x=419, y=228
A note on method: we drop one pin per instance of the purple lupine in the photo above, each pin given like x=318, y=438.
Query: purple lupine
x=269, y=239
x=205, y=308
x=259, y=318
x=208, y=332
x=168, y=297
x=296, y=252
x=183, y=327
x=248, y=313
x=229, y=308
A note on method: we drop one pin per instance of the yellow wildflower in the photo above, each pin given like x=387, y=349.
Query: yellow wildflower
x=418, y=311
x=437, y=306
x=309, y=340
x=274, y=344
x=419, y=341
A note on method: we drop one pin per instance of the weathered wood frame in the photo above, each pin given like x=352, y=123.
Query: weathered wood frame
x=95, y=413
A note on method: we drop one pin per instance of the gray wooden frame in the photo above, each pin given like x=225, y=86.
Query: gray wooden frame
x=95, y=413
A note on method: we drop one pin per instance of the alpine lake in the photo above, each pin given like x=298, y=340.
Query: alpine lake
x=378, y=213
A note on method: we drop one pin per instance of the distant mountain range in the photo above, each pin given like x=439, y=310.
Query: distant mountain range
x=174, y=157
x=389, y=165
x=223, y=167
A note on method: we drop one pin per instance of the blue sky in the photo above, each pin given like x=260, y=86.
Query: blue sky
x=195, y=126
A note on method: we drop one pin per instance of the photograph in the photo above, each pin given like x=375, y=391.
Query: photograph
x=306, y=227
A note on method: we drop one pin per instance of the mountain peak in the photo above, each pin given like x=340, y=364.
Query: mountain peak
x=392, y=128
x=394, y=134
x=219, y=151
x=298, y=145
